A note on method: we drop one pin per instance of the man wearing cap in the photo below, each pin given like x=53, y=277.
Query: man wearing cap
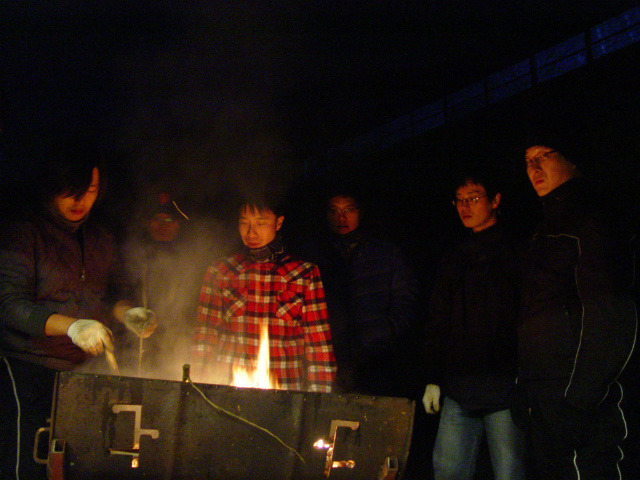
x=165, y=258
x=578, y=324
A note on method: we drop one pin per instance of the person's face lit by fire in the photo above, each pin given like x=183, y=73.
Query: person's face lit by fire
x=547, y=169
x=76, y=208
x=163, y=227
x=476, y=210
x=343, y=214
x=257, y=227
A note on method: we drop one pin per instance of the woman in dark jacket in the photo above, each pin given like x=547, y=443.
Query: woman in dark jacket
x=58, y=285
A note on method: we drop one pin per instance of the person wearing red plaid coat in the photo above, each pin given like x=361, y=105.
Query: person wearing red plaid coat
x=264, y=285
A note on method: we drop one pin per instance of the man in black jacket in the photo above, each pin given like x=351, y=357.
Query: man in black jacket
x=578, y=324
x=471, y=342
x=372, y=298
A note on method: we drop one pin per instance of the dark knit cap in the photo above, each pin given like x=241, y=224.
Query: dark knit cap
x=165, y=204
x=557, y=139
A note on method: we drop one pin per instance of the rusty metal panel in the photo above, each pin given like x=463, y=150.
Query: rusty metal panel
x=132, y=428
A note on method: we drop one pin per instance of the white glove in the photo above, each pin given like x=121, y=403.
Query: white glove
x=431, y=398
x=91, y=336
x=140, y=321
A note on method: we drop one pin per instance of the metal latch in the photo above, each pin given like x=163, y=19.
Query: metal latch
x=56, y=459
x=137, y=432
x=389, y=469
x=330, y=447
x=36, y=444
x=55, y=453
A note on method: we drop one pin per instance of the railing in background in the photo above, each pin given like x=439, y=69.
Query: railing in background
x=575, y=52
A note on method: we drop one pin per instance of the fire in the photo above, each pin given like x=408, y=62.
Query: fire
x=321, y=445
x=259, y=377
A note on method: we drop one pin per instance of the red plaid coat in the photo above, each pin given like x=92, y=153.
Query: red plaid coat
x=239, y=295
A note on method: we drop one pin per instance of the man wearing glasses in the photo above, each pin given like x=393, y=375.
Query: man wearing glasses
x=578, y=324
x=371, y=296
x=471, y=343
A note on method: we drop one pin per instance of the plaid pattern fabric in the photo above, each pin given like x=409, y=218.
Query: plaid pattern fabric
x=239, y=295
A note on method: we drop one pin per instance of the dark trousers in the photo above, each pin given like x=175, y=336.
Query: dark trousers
x=34, y=385
x=565, y=449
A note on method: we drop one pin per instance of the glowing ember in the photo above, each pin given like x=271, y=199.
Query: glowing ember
x=259, y=377
x=321, y=445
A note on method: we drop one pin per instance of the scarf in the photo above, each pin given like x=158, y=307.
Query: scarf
x=348, y=242
x=58, y=219
x=271, y=252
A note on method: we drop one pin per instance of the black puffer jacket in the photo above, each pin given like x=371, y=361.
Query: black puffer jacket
x=578, y=318
x=372, y=297
x=47, y=268
x=471, y=344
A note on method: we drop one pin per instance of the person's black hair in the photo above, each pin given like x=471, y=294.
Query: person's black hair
x=345, y=191
x=556, y=139
x=263, y=202
x=480, y=177
x=68, y=170
x=347, y=188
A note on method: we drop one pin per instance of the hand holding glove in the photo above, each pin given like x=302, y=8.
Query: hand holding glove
x=140, y=321
x=91, y=336
x=431, y=399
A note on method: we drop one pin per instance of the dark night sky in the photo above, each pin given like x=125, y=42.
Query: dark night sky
x=207, y=97
x=167, y=78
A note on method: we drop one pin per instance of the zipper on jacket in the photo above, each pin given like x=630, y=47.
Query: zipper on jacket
x=83, y=274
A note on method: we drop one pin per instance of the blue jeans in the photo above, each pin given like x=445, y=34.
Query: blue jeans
x=458, y=441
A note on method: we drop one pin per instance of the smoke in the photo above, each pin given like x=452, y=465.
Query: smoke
x=205, y=112
x=202, y=123
x=193, y=102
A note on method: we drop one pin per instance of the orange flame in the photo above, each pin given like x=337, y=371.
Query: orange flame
x=259, y=377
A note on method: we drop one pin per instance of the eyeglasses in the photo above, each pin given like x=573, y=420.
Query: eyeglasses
x=336, y=212
x=537, y=160
x=467, y=201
